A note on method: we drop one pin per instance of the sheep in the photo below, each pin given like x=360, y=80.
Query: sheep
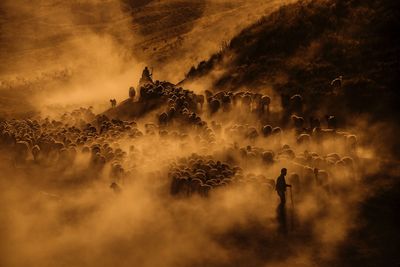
x=303, y=139
x=333, y=156
x=314, y=123
x=236, y=98
x=265, y=101
x=214, y=105
x=331, y=121
x=208, y=94
x=163, y=119
x=298, y=122
x=226, y=102
x=267, y=130
x=337, y=82
x=268, y=157
x=348, y=161
x=251, y=133
x=132, y=92
x=36, y=153
x=277, y=131
x=296, y=104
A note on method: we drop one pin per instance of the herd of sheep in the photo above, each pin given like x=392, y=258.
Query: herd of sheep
x=229, y=150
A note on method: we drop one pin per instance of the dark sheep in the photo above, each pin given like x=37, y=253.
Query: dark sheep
x=132, y=92
x=265, y=101
x=214, y=105
x=296, y=104
x=163, y=119
x=298, y=122
x=314, y=123
x=251, y=133
x=268, y=157
x=267, y=130
x=36, y=153
x=208, y=94
x=277, y=131
x=331, y=121
x=303, y=139
x=337, y=82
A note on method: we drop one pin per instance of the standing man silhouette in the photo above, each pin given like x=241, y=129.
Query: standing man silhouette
x=281, y=186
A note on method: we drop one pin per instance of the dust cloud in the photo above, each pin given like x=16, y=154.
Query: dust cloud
x=78, y=52
x=207, y=29
x=72, y=53
x=61, y=210
x=193, y=187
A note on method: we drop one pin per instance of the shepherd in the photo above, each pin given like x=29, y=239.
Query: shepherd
x=281, y=186
x=146, y=77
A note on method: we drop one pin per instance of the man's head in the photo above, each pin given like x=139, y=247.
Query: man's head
x=284, y=171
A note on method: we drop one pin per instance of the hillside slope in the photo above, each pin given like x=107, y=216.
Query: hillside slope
x=303, y=46
x=107, y=39
x=173, y=35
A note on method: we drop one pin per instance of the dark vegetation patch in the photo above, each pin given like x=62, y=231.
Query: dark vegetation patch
x=301, y=47
x=376, y=242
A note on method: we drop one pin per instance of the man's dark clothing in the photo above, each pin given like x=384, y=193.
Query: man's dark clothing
x=281, y=188
x=146, y=74
x=281, y=183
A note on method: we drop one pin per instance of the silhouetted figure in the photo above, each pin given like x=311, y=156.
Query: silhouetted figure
x=146, y=73
x=146, y=78
x=281, y=210
x=281, y=186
